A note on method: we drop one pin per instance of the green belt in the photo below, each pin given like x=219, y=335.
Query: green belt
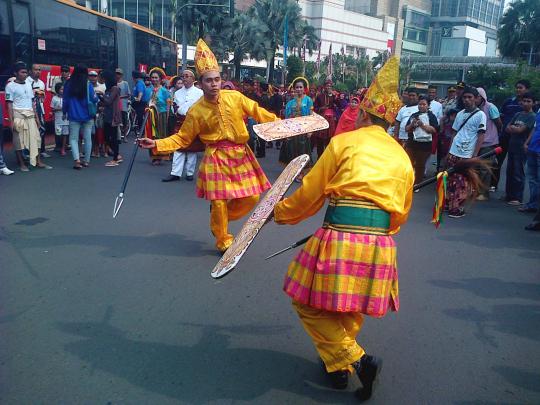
x=356, y=216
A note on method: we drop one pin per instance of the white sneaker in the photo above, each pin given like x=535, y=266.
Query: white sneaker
x=44, y=155
x=5, y=171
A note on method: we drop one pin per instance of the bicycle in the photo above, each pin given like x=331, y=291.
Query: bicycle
x=131, y=123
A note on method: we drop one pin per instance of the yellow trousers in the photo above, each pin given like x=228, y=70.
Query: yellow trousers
x=333, y=334
x=223, y=211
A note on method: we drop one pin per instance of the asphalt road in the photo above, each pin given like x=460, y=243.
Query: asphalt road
x=101, y=311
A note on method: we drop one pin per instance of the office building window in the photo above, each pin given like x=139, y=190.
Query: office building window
x=436, y=8
x=358, y=6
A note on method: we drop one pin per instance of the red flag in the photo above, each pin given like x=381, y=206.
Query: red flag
x=330, y=67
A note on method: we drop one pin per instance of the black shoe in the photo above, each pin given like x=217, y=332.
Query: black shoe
x=367, y=370
x=189, y=178
x=259, y=155
x=533, y=226
x=170, y=178
x=338, y=379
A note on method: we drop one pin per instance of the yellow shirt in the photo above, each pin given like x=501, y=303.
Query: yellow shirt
x=214, y=122
x=365, y=164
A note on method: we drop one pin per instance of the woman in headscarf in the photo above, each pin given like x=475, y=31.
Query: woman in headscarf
x=348, y=118
x=300, y=106
x=341, y=104
x=158, y=107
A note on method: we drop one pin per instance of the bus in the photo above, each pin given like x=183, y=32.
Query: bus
x=53, y=33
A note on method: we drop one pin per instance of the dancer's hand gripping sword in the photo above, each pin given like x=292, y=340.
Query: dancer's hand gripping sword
x=120, y=198
x=463, y=166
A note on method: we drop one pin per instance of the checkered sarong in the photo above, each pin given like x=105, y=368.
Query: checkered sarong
x=345, y=272
x=229, y=171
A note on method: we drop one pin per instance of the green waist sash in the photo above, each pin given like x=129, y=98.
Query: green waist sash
x=356, y=216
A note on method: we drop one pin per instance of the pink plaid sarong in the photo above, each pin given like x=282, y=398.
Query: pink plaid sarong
x=345, y=272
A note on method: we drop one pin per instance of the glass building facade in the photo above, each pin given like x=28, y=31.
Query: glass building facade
x=449, y=19
x=153, y=14
x=485, y=13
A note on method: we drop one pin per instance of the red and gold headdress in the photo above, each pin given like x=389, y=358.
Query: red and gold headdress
x=382, y=99
x=205, y=60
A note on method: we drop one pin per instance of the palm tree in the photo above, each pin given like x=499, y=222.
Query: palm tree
x=271, y=13
x=518, y=32
x=303, y=33
x=245, y=38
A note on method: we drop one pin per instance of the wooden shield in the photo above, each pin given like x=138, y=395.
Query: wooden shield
x=258, y=218
x=272, y=131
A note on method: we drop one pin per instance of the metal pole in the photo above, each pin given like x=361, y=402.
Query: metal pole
x=184, y=43
x=162, y=17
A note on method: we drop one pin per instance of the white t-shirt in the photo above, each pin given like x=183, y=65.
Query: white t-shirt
x=403, y=116
x=100, y=88
x=36, y=84
x=465, y=140
x=419, y=134
x=56, y=104
x=20, y=95
x=185, y=98
x=437, y=109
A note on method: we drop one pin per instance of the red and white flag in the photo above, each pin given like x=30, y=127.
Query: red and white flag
x=330, y=67
x=319, y=59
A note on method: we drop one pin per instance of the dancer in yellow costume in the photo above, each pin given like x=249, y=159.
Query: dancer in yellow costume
x=348, y=268
x=229, y=174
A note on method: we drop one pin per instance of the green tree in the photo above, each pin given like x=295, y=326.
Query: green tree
x=518, y=33
x=246, y=37
x=303, y=33
x=295, y=67
x=272, y=14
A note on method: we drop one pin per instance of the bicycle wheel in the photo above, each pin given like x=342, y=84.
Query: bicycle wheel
x=129, y=125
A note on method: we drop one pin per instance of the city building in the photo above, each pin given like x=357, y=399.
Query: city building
x=153, y=14
x=465, y=27
x=348, y=24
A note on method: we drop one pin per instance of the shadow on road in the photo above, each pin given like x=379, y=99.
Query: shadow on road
x=514, y=319
x=525, y=379
x=209, y=370
x=529, y=244
x=127, y=245
x=487, y=287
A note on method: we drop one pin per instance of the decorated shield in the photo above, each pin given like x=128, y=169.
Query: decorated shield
x=258, y=218
x=272, y=131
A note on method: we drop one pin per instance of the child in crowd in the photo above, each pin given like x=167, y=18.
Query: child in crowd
x=61, y=125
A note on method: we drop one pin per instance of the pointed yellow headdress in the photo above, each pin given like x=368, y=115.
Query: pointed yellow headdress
x=382, y=99
x=205, y=60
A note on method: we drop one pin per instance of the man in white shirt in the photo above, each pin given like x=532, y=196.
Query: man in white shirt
x=23, y=119
x=125, y=95
x=184, y=98
x=403, y=116
x=434, y=106
x=469, y=129
x=39, y=96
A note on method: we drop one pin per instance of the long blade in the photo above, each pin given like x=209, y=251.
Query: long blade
x=295, y=244
x=120, y=199
x=280, y=251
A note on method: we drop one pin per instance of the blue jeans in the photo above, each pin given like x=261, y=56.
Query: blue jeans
x=74, y=129
x=515, y=174
x=533, y=173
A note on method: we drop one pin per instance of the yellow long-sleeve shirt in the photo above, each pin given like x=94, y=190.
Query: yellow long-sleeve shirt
x=365, y=164
x=214, y=122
